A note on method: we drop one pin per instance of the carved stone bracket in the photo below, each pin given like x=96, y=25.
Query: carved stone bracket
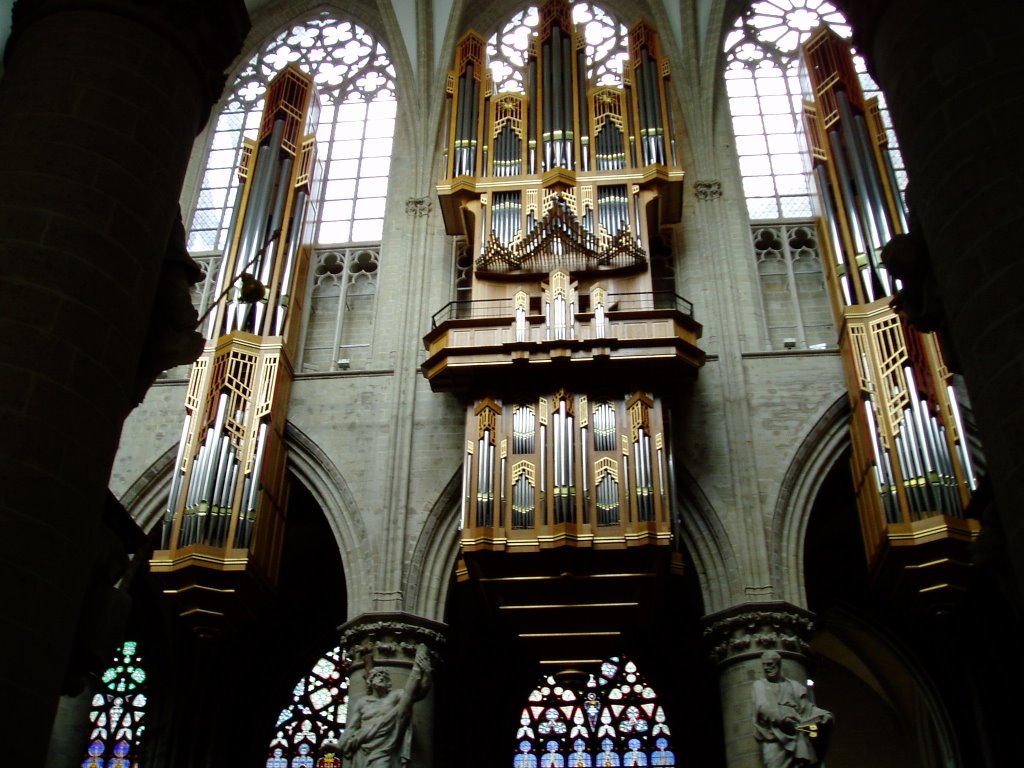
x=748, y=630
x=707, y=190
x=390, y=639
x=418, y=206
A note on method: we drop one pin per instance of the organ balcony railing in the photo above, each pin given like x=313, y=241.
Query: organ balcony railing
x=910, y=460
x=224, y=521
x=586, y=335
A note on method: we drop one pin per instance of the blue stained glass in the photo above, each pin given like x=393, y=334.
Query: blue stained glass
x=306, y=731
x=613, y=721
x=117, y=712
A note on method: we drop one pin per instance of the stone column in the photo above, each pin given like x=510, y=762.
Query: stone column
x=394, y=642
x=100, y=102
x=738, y=636
x=951, y=73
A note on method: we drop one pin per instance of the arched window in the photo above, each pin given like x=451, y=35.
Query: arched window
x=355, y=81
x=766, y=99
x=117, y=714
x=356, y=84
x=607, y=47
x=611, y=719
x=308, y=728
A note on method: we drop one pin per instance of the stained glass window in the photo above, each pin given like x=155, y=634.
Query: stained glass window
x=308, y=728
x=117, y=713
x=765, y=97
x=356, y=84
x=613, y=719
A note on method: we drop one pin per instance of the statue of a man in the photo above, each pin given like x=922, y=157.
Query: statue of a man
x=786, y=723
x=378, y=733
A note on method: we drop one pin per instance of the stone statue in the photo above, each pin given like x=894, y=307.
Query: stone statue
x=786, y=723
x=378, y=733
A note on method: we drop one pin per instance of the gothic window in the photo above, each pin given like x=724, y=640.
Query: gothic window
x=342, y=300
x=792, y=285
x=613, y=719
x=606, y=47
x=117, y=713
x=766, y=100
x=315, y=719
x=356, y=84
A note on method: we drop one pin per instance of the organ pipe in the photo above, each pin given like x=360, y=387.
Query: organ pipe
x=228, y=491
x=906, y=430
x=555, y=200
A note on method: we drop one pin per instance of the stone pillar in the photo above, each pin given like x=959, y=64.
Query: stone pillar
x=951, y=74
x=100, y=102
x=393, y=642
x=738, y=637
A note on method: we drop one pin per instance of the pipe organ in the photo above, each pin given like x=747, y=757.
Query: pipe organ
x=911, y=463
x=224, y=519
x=558, y=178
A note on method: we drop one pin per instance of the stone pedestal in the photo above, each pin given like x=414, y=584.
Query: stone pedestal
x=738, y=637
x=391, y=641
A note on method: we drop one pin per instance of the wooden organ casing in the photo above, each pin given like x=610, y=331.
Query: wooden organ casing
x=565, y=356
x=910, y=460
x=223, y=528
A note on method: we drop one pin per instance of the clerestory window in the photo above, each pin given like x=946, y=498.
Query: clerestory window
x=766, y=100
x=355, y=81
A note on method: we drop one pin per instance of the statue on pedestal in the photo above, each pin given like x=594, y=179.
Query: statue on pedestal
x=378, y=733
x=787, y=725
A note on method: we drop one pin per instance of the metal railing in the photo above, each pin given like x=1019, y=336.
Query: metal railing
x=486, y=309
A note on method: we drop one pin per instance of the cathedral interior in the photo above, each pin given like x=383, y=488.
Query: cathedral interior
x=564, y=361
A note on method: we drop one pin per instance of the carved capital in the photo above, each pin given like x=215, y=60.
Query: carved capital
x=418, y=206
x=389, y=639
x=709, y=189
x=749, y=630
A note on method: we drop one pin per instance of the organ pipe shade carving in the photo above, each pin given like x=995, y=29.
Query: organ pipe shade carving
x=911, y=465
x=228, y=492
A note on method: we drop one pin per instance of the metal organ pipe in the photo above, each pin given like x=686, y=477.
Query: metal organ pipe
x=566, y=127
x=273, y=235
x=861, y=169
x=846, y=193
x=584, y=122
x=245, y=521
x=965, y=458
x=294, y=242
x=831, y=216
x=179, y=475
x=253, y=227
x=860, y=175
x=547, y=114
x=873, y=177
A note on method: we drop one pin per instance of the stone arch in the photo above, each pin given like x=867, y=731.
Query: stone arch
x=146, y=500
x=821, y=447
x=881, y=681
x=429, y=570
x=707, y=542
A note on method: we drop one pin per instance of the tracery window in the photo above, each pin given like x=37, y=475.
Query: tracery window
x=613, y=719
x=606, y=47
x=766, y=100
x=308, y=728
x=342, y=302
x=792, y=285
x=356, y=84
x=117, y=712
